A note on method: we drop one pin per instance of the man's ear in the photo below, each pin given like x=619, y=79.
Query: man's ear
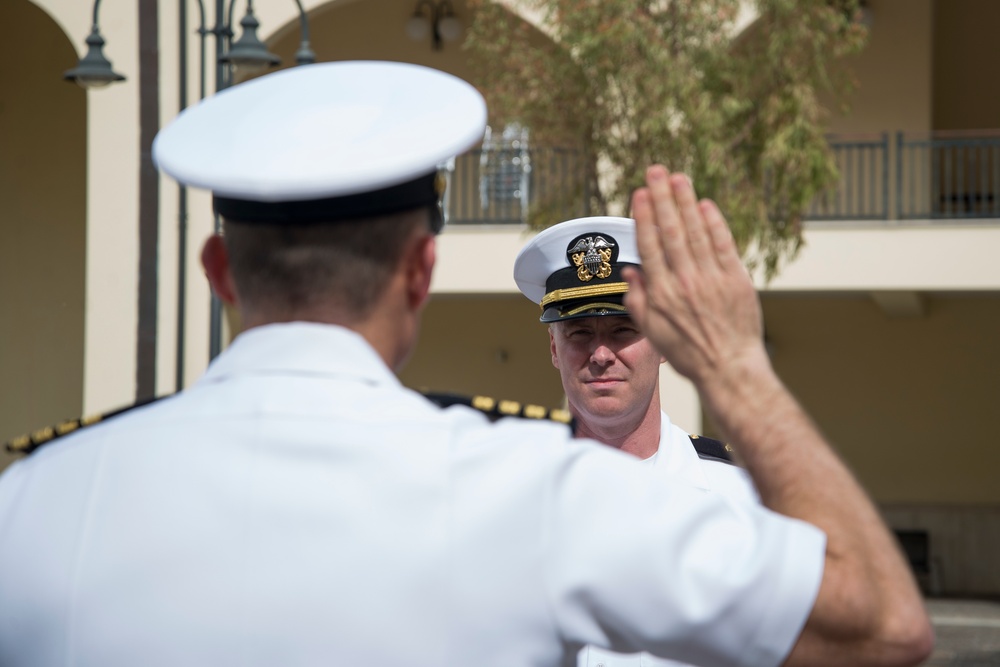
x=420, y=268
x=215, y=261
x=552, y=347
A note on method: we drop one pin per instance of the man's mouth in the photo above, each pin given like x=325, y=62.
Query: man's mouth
x=603, y=382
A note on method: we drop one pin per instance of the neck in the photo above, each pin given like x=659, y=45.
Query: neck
x=639, y=437
x=389, y=329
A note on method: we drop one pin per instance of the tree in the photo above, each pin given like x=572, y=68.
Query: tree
x=631, y=82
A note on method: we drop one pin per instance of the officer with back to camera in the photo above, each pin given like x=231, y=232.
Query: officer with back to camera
x=610, y=371
x=298, y=506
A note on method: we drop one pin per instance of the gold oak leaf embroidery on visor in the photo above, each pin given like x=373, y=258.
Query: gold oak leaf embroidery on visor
x=583, y=292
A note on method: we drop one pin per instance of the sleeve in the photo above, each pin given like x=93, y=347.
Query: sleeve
x=633, y=564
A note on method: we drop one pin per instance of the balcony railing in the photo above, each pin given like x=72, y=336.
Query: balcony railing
x=948, y=176
x=501, y=186
x=940, y=176
x=862, y=191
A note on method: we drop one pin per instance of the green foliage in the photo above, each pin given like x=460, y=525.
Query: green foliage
x=632, y=82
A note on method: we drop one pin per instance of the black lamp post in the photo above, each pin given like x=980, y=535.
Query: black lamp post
x=94, y=69
x=248, y=55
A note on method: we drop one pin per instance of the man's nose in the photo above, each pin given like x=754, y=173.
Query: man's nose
x=602, y=355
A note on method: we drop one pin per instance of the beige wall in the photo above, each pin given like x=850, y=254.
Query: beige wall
x=911, y=403
x=893, y=73
x=42, y=224
x=371, y=30
x=915, y=256
x=492, y=345
x=966, y=51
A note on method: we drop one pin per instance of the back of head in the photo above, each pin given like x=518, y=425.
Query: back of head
x=323, y=173
x=342, y=266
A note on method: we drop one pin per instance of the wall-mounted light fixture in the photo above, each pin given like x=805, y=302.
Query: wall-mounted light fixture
x=94, y=69
x=435, y=18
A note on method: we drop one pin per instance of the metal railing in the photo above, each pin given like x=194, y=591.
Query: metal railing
x=939, y=176
x=948, y=175
x=509, y=185
x=862, y=189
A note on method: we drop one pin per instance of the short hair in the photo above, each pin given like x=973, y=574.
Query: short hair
x=345, y=265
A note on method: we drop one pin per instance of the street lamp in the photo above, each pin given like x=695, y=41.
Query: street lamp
x=246, y=56
x=94, y=69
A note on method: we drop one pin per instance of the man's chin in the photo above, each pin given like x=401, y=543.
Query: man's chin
x=604, y=407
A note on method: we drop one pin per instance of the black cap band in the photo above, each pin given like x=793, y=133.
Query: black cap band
x=423, y=191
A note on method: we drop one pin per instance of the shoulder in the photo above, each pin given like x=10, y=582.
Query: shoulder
x=710, y=449
x=725, y=474
x=491, y=408
x=30, y=442
x=495, y=409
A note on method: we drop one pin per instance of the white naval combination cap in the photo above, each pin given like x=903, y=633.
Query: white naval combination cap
x=573, y=269
x=324, y=142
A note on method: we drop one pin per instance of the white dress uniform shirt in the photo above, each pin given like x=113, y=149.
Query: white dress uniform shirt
x=676, y=456
x=298, y=506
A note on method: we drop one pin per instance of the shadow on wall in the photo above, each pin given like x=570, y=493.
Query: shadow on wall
x=43, y=225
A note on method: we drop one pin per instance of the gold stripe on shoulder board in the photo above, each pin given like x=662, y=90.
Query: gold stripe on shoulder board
x=509, y=408
x=26, y=444
x=534, y=412
x=495, y=409
x=484, y=403
x=561, y=416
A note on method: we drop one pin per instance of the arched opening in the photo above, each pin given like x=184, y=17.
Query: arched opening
x=42, y=224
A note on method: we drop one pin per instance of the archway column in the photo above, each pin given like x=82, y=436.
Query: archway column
x=111, y=308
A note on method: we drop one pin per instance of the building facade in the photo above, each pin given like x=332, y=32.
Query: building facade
x=885, y=325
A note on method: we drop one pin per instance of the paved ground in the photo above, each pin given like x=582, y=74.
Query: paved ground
x=968, y=633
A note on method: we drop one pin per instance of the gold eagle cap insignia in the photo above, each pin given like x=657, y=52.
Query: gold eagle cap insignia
x=592, y=257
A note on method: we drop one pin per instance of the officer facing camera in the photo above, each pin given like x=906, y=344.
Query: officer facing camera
x=298, y=506
x=610, y=371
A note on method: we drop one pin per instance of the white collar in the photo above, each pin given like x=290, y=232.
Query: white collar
x=301, y=348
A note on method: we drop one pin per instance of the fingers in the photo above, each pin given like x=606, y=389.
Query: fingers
x=699, y=243
x=689, y=233
x=672, y=233
x=647, y=236
x=720, y=237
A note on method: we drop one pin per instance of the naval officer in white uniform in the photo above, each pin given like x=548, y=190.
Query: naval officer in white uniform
x=298, y=506
x=610, y=371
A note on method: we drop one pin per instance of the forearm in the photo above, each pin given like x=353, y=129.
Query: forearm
x=697, y=304
x=867, y=608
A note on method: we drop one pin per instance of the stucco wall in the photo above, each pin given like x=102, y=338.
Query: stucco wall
x=492, y=345
x=893, y=73
x=372, y=31
x=909, y=402
x=966, y=51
